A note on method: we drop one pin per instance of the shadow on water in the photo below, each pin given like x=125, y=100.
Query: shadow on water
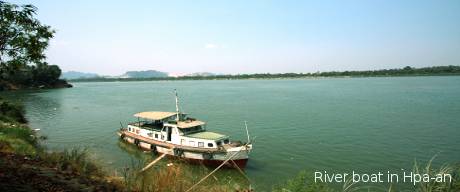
x=133, y=150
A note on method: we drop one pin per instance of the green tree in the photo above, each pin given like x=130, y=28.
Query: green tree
x=23, y=40
x=44, y=73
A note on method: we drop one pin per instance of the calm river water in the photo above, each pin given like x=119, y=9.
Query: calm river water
x=332, y=124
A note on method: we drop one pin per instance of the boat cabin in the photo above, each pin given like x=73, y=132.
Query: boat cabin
x=176, y=128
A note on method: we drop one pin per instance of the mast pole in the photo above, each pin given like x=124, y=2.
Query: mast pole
x=247, y=131
x=177, y=106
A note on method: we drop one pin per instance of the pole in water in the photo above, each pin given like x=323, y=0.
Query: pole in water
x=247, y=132
x=177, y=106
x=218, y=167
x=153, y=162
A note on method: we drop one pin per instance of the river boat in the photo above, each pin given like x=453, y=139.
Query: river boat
x=175, y=134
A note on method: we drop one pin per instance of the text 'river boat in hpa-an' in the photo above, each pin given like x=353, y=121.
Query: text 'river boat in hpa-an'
x=175, y=134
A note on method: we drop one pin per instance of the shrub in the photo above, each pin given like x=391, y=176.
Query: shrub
x=11, y=112
x=302, y=183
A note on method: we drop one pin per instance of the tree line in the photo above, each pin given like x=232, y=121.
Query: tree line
x=406, y=71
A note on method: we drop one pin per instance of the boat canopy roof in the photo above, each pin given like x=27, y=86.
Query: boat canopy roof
x=155, y=115
x=207, y=135
x=189, y=124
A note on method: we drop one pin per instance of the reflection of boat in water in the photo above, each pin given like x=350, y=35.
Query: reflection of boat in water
x=133, y=150
x=176, y=134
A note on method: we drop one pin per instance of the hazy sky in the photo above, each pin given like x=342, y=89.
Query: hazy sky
x=111, y=37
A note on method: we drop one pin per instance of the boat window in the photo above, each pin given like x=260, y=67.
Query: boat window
x=197, y=128
x=156, y=136
x=200, y=144
x=129, y=128
x=162, y=137
x=210, y=145
x=219, y=142
x=150, y=134
x=192, y=129
x=226, y=141
x=191, y=143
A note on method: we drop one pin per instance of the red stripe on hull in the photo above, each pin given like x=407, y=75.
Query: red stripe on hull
x=241, y=163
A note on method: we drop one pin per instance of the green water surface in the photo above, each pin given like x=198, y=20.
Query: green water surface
x=332, y=124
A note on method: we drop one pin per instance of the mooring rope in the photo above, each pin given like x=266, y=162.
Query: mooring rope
x=241, y=171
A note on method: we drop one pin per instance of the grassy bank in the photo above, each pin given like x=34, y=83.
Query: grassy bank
x=304, y=182
x=27, y=166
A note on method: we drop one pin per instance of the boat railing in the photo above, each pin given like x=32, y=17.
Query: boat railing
x=138, y=123
x=147, y=125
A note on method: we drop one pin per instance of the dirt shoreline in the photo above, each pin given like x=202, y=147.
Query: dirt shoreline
x=25, y=173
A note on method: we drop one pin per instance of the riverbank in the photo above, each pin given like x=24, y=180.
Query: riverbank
x=8, y=85
x=29, y=173
x=26, y=165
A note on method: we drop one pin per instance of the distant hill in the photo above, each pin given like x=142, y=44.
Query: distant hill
x=200, y=74
x=406, y=71
x=144, y=74
x=77, y=75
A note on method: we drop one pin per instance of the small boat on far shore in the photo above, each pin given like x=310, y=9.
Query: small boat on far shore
x=177, y=135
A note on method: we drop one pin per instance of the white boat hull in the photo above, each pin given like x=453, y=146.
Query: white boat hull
x=239, y=155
